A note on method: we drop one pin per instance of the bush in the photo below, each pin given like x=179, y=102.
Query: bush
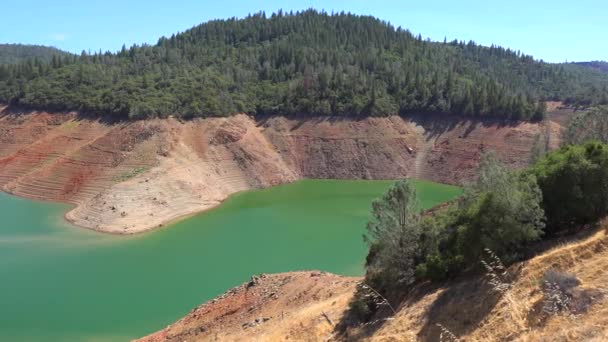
x=503, y=220
x=574, y=184
x=359, y=308
x=557, y=290
x=500, y=212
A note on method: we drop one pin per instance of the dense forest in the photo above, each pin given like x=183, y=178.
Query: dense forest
x=300, y=63
x=595, y=65
x=16, y=53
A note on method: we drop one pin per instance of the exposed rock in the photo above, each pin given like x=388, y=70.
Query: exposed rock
x=206, y=160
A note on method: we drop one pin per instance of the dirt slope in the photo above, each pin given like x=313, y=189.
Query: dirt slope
x=299, y=306
x=129, y=177
x=306, y=306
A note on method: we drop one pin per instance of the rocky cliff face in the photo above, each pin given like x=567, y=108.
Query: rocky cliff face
x=127, y=177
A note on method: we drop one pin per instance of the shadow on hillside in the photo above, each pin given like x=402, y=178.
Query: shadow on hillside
x=460, y=306
x=17, y=112
x=582, y=234
x=301, y=119
x=436, y=124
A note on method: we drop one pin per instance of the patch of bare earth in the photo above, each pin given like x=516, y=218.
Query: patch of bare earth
x=296, y=306
x=129, y=177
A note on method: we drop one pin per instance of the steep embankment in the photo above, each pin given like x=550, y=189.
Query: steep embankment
x=299, y=306
x=307, y=306
x=128, y=177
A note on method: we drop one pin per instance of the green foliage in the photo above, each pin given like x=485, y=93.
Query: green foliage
x=502, y=220
x=541, y=145
x=394, y=235
x=595, y=65
x=501, y=212
x=16, y=53
x=360, y=308
x=587, y=126
x=574, y=183
x=300, y=63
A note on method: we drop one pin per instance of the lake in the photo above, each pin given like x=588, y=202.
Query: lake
x=61, y=282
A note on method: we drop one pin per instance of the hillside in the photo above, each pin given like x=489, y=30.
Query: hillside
x=16, y=53
x=126, y=177
x=309, y=306
x=307, y=63
x=595, y=65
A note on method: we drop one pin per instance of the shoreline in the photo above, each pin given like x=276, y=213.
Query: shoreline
x=143, y=228
x=150, y=228
x=140, y=176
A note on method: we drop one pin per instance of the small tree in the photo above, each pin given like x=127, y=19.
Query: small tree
x=394, y=236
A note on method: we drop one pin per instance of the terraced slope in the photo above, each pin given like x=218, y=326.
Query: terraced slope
x=127, y=177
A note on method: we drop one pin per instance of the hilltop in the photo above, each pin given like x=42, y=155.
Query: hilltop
x=302, y=63
x=17, y=53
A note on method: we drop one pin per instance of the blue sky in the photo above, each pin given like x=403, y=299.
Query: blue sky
x=551, y=30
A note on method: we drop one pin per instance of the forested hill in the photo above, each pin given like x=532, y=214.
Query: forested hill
x=306, y=63
x=596, y=65
x=15, y=53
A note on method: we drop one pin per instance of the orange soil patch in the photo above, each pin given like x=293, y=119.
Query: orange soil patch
x=296, y=306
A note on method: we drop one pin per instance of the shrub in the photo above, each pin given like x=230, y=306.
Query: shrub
x=574, y=185
x=359, y=309
x=562, y=294
x=502, y=212
x=557, y=291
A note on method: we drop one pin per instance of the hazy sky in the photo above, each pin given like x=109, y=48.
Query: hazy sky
x=551, y=30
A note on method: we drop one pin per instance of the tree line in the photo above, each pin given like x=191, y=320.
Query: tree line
x=308, y=62
x=17, y=53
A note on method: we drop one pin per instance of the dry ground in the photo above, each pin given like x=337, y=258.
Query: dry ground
x=128, y=177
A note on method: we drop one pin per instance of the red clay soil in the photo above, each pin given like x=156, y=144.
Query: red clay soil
x=296, y=306
x=132, y=176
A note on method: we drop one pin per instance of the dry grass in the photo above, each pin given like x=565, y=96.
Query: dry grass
x=510, y=308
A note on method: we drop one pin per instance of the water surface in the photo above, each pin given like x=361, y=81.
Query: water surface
x=60, y=282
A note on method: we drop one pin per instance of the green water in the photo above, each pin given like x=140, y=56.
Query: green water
x=59, y=282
